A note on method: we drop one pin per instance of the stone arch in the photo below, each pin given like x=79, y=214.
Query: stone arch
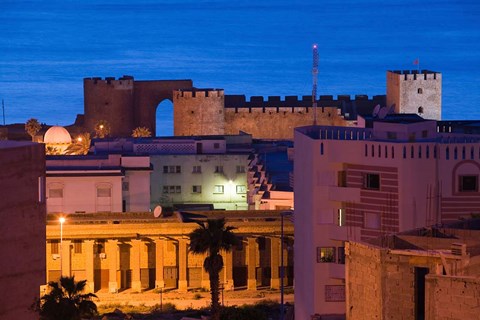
x=164, y=118
x=149, y=94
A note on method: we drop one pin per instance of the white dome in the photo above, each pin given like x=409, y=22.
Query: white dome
x=57, y=135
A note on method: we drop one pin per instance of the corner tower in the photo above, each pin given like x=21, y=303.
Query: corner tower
x=198, y=112
x=411, y=91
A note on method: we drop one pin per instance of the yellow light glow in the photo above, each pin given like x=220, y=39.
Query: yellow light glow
x=62, y=220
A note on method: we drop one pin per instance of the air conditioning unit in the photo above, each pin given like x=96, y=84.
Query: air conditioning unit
x=55, y=256
x=102, y=255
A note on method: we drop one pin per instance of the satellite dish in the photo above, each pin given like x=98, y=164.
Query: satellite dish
x=157, y=212
x=376, y=110
x=382, y=113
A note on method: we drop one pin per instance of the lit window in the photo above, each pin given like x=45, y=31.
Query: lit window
x=218, y=169
x=468, y=184
x=372, y=181
x=325, y=254
x=172, y=169
x=196, y=189
x=54, y=247
x=241, y=189
x=341, y=213
x=218, y=189
x=55, y=193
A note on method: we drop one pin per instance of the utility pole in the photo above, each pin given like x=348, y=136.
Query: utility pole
x=314, y=81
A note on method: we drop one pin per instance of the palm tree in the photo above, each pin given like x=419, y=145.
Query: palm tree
x=141, y=132
x=32, y=126
x=65, y=300
x=210, y=238
x=81, y=144
x=102, y=129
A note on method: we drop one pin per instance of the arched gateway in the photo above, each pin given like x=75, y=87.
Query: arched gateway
x=125, y=103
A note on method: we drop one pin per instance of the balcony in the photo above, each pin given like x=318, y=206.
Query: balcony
x=343, y=194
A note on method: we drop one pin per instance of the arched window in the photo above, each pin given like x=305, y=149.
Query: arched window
x=420, y=110
x=412, y=151
x=366, y=150
x=420, y=152
x=386, y=152
x=321, y=148
x=420, y=90
x=447, y=153
x=404, y=152
x=427, y=152
x=373, y=150
x=393, y=152
x=471, y=153
x=463, y=153
x=434, y=152
x=455, y=153
x=379, y=151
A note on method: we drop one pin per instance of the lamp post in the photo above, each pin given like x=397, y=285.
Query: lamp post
x=282, y=272
x=62, y=220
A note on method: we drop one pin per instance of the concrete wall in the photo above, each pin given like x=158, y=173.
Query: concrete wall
x=452, y=298
x=22, y=231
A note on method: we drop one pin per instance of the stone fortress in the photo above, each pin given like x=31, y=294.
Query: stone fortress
x=127, y=104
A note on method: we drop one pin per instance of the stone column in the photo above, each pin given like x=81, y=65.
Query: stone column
x=159, y=276
x=252, y=264
x=182, y=265
x=227, y=270
x=274, y=263
x=65, y=258
x=112, y=256
x=135, y=265
x=89, y=264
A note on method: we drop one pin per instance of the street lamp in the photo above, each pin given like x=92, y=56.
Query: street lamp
x=62, y=220
x=282, y=272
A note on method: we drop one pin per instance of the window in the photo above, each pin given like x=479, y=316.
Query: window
x=424, y=133
x=125, y=186
x=55, y=193
x=420, y=110
x=172, y=189
x=321, y=148
x=196, y=189
x=391, y=135
x=241, y=189
x=341, y=255
x=218, y=169
x=240, y=169
x=326, y=254
x=342, y=178
x=420, y=90
x=218, y=189
x=197, y=169
x=77, y=246
x=372, y=220
x=216, y=145
x=104, y=192
x=468, y=183
x=54, y=247
x=172, y=169
x=372, y=181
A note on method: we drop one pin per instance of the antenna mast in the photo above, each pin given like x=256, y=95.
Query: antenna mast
x=314, y=80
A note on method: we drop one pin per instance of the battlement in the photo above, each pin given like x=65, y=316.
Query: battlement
x=240, y=101
x=122, y=81
x=417, y=75
x=199, y=93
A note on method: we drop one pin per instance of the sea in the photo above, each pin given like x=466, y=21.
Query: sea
x=250, y=47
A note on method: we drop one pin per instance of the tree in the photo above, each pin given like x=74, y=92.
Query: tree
x=32, y=126
x=210, y=238
x=81, y=145
x=102, y=129
x=141, y=132
x=65, y=300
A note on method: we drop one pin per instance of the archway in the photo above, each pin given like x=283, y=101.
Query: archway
x=164, y=119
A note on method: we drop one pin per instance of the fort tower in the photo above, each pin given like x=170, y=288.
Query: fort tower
x=415, y=92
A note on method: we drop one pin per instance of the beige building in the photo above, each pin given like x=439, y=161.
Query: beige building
x=431, y=274
x=22, y=231
x=117, y=251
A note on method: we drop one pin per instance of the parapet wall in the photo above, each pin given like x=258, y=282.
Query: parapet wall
x=417, y=75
